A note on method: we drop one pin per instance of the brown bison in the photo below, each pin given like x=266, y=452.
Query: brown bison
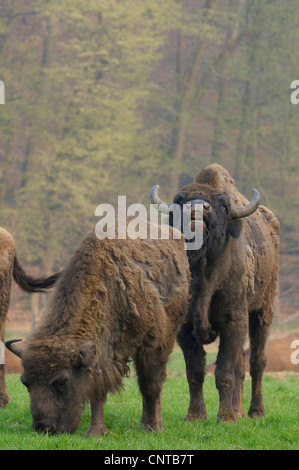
x=10, y=267
x=116, y=300
x=233, y=283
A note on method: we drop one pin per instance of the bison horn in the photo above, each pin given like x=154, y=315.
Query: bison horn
x=245, y=211
x=155, y=199
x=14, y=348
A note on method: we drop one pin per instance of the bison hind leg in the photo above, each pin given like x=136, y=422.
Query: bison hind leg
x=258, y=333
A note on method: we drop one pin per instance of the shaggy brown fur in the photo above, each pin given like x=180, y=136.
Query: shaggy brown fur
x=10, y=267
x=116, y=299
x=234, y=282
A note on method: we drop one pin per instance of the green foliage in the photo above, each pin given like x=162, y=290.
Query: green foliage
x=83, y=86
x=108, y=98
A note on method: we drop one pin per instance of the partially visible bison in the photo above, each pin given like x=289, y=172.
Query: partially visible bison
x=115, y=300
x=10, y=267
x=234, y=281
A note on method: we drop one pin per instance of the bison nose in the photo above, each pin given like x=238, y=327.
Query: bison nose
x=205, y=205
x=40, y=426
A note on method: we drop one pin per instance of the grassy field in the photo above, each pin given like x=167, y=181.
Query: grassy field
x=279, y=430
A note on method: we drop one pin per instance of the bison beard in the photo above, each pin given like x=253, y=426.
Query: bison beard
x=116, y=300
x=233, y=284
x=10, y=267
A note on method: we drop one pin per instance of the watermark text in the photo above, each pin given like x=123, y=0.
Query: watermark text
x=295, y=354
x=2, y=356
x=295, y=94
x=187, y=219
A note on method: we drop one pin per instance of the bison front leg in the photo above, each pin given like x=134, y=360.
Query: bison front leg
x=151, y=371
x=228, y=383
x=238, y=388
x=97, y=425
x=194, y=355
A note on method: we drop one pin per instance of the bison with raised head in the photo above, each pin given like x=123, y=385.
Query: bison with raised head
x=116, y=300
x=233, y=284
x=10, y=267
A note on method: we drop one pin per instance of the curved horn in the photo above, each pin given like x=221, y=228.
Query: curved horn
x=155, y=199
x=245, y=211
x=14, y=348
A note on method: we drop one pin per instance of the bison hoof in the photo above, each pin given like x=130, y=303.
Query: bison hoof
x=256, y=413
x=239, y=411
x=196, y=417
x=226, y=418
x=240, y=414
x=153, y=427
x=196, y=411
x=96, y=431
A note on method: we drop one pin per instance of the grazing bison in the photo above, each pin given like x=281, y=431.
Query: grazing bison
x=10, y=267
x=233, y=283
x=116, y=300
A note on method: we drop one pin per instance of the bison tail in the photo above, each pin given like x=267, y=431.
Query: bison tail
x=28, y=283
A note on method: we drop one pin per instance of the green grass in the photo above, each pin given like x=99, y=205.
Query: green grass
x=279, y=430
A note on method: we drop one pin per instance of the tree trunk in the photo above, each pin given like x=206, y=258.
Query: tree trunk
x=30, y=161
x=4, y=182
x=247, y=138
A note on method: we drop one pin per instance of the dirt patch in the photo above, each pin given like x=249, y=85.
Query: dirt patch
x=279, y=353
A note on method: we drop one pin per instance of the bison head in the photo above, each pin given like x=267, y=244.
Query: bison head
x=220, y=219
x=58, y=379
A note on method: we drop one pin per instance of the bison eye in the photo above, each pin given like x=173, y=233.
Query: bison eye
x=223, y=201
x=61, y=383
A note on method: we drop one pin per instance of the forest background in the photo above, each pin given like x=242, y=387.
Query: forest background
x=107, y=98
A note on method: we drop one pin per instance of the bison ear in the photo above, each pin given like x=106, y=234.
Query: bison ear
x=234, y=228
x=85, y=355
